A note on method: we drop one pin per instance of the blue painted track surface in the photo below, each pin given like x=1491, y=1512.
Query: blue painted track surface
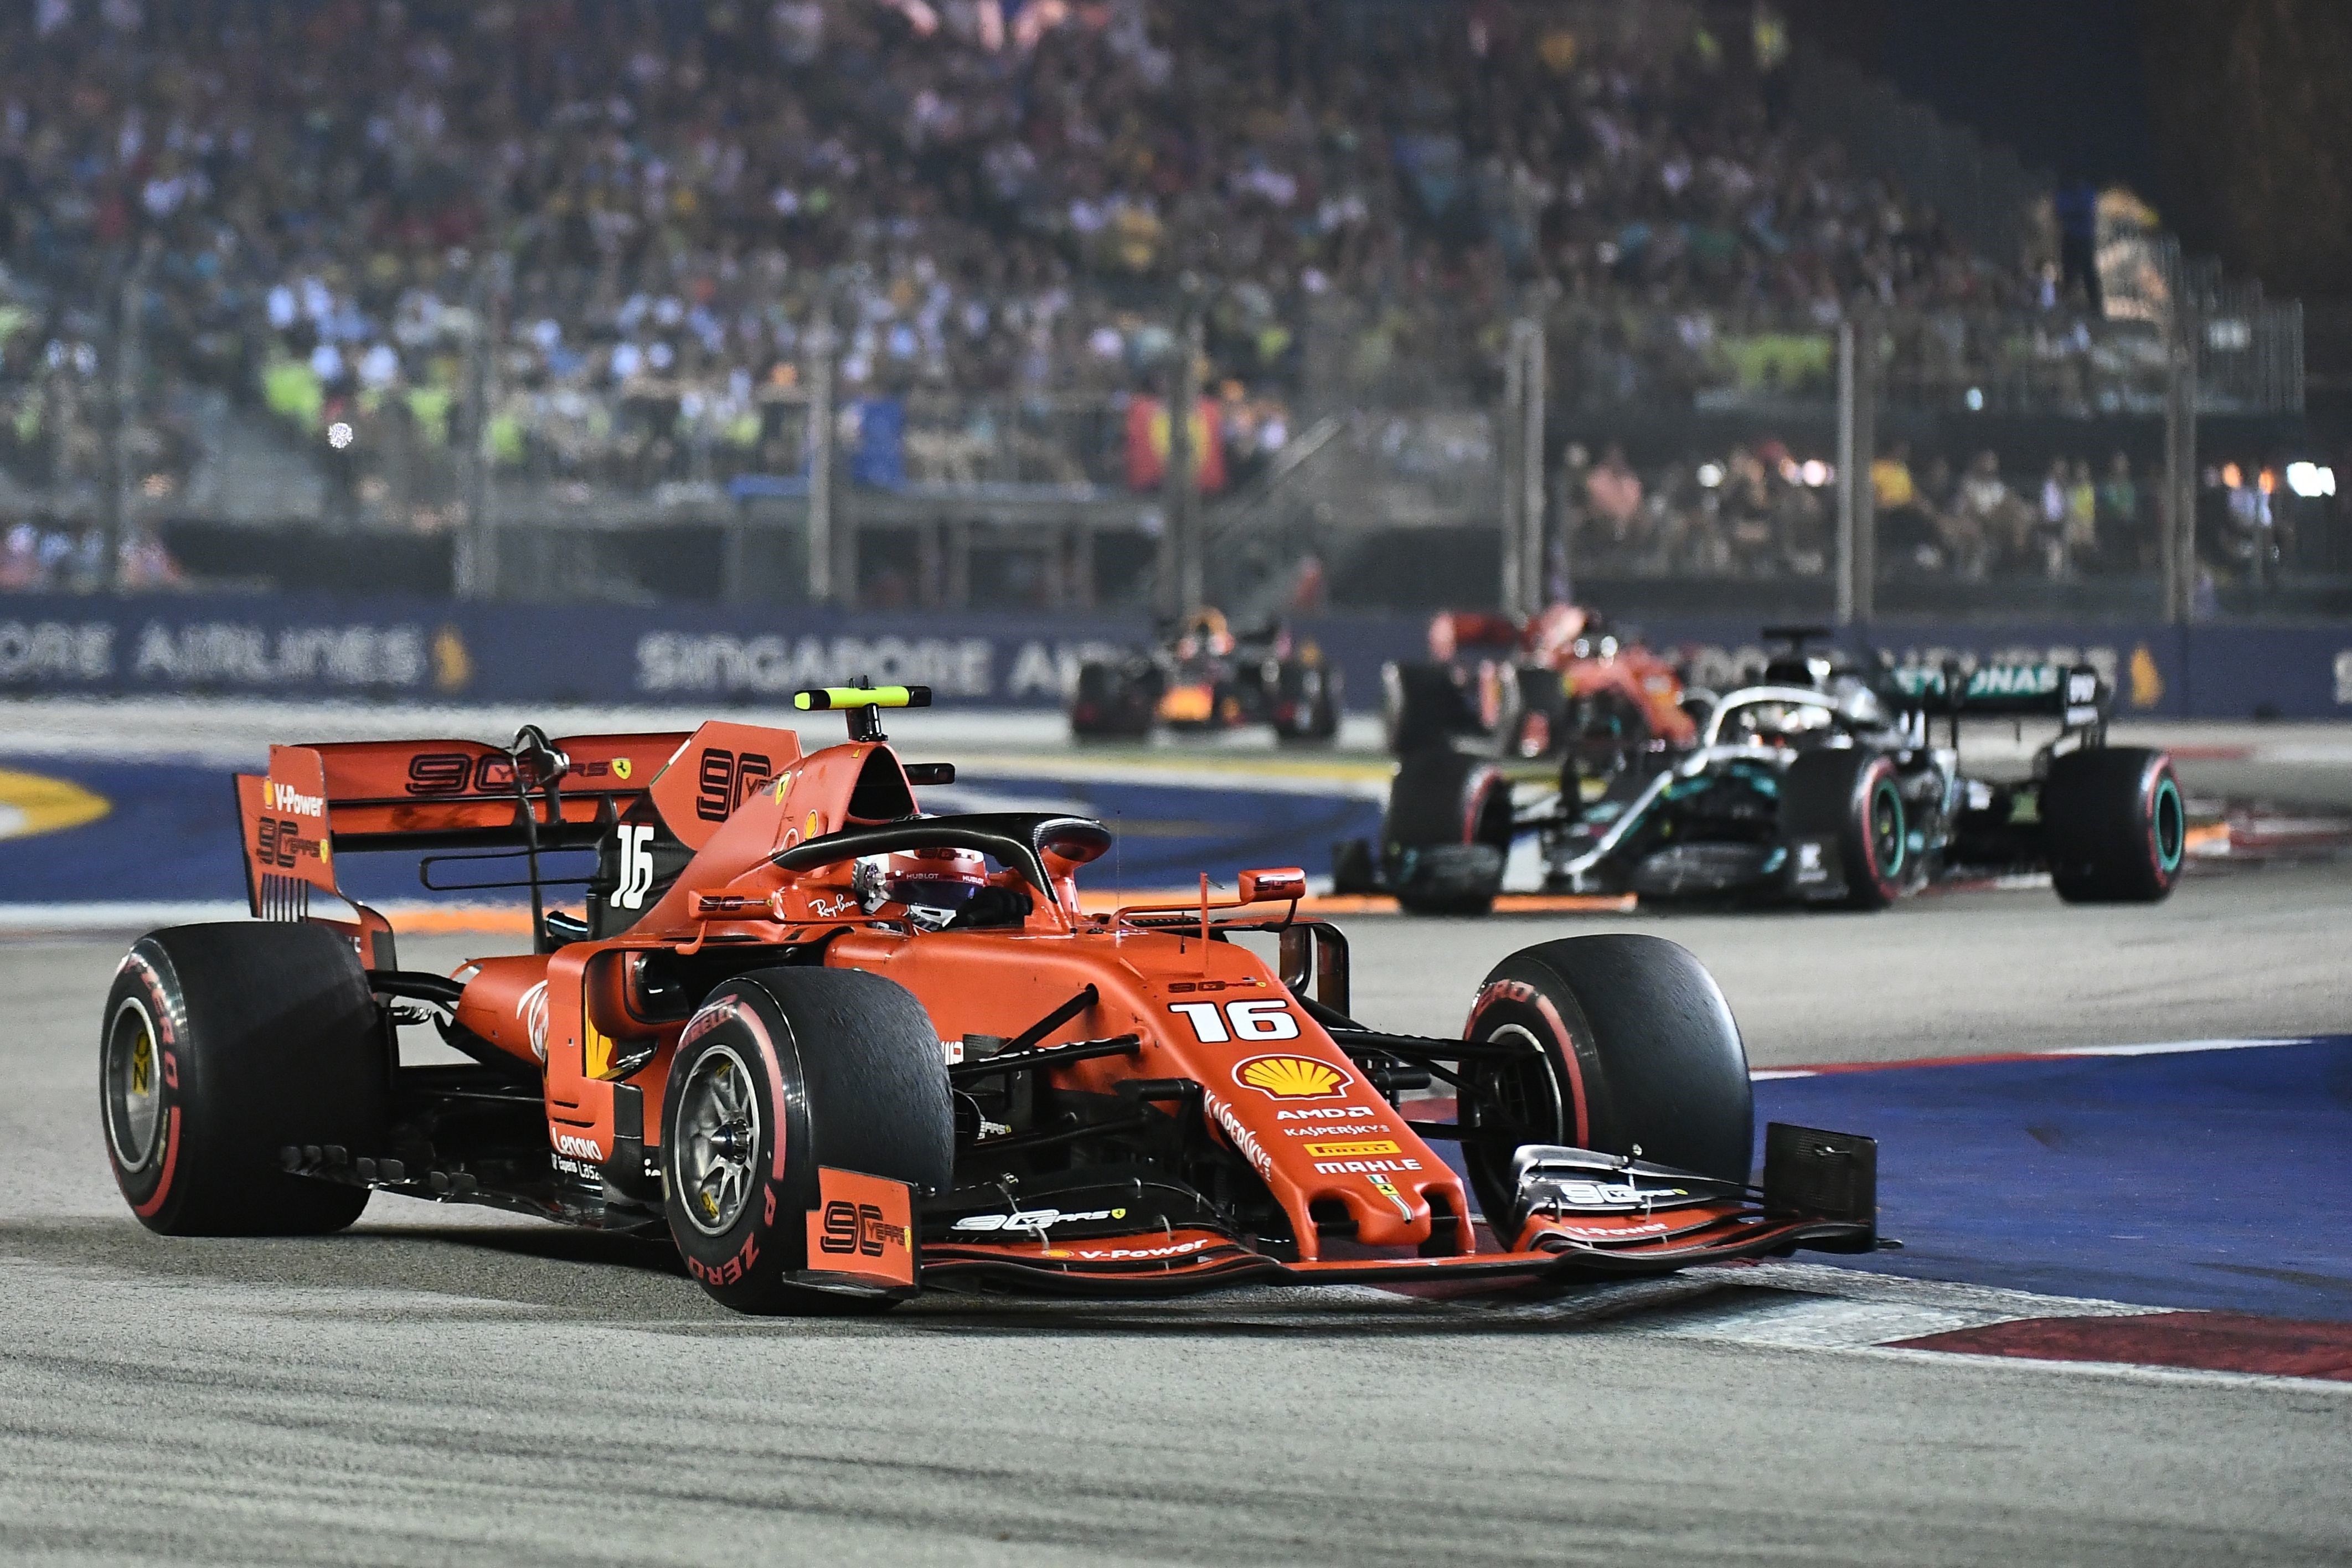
x=2204, y=1179
x=171, y=834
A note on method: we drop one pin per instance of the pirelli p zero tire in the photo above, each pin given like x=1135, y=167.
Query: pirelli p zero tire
x=1305, y=705
x=2114, y=826
x=1847, y=800
x=1446, y=834
x=1626, y=1041
x=222, y=1046
x=782, y=1074
x=1113, y=702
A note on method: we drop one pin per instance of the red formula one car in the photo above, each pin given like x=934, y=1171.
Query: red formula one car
x=838, y=1050
x=1561, y=683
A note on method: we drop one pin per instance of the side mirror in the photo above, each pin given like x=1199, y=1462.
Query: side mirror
x=1280, y=883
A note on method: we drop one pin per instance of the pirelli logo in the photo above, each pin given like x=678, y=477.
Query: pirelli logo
x=1353, y=1150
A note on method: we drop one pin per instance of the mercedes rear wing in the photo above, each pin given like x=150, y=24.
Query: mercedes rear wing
x=2072, y=694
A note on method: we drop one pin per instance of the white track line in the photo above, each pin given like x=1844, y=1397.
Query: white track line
x=2152, y=1048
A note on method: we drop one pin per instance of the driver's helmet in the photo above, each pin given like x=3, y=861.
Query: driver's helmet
x=1206, y=635
x=941, y=879
x=1786, y=721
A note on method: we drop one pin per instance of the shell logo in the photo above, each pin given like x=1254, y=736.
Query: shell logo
x=1292, y=1077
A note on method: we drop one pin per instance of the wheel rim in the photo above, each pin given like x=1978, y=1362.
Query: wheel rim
x=1508, y=1104
x=719, y=1138
x=2170, y=825
x=1886, y=839
x=133, y=1070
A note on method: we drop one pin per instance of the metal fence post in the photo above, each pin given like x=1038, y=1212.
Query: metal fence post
x=820, y=457
x=1857, y=448
x=1510, y=430
x=476, y=569
x=1181, y=565
x=1530, y=477
x=1847, y=549
x=1860, y=364
x=124, y=398
x=2178, y=516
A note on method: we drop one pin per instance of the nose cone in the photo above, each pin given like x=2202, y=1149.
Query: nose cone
x=1387, y=1212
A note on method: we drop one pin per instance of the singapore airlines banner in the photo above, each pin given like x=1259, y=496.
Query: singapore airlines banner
x=416, y=651
x=420, y=651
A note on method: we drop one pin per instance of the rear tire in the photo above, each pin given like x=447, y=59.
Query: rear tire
x=1446, y=834
x=780, y=1072
x=1845, y=800
x=1113, y=702
x=1310, y=694
x=222, y=1045
x=2114, y=826
x=1422, y=706
x=1629, y=1042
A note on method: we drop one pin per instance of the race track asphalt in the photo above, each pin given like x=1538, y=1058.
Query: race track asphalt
x=446, y=1385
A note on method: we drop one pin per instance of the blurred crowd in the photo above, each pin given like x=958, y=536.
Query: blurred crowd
x=649, y=206
x=44, y=555
x=1759, y=511
x=602, y=241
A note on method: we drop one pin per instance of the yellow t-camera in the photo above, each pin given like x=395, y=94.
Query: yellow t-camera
x=823, y=697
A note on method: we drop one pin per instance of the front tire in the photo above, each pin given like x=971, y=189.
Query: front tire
x=221, y=1047
x=1844, y=803
x=780, y=1073
x=1446, y=834
x=1627, y=1041
x=1422, y=706
x=2114, y=826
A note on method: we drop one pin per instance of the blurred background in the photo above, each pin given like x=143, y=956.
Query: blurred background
x=627, y=350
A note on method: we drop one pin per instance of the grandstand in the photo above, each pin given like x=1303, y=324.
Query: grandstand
x=615, y=298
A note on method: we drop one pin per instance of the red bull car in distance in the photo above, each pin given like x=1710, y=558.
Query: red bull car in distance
x=838, y=1050
x=1205, y=678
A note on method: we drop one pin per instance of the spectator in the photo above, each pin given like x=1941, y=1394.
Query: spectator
x=2119, y=513
x=20, y=558
x=2050, y=533
x=2077, y=204
x=1904, y=530
x=1613, y=492
x=2081, y=537
x=1989, y=519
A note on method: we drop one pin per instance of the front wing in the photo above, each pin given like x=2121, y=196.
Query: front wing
x=1174, y=1262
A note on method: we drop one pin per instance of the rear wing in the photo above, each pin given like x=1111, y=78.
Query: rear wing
x=2072, y=694
x=318, y=800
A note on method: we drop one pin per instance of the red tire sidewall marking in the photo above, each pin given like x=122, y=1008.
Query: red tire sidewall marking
x=167, y=1067
x=1526, y=996
x=738, y=1265
x=1870, y=778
